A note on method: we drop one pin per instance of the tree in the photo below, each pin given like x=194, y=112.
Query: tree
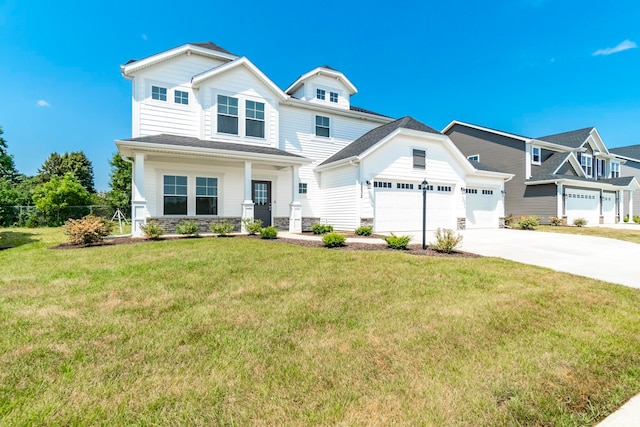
x=120, y=195
x=75, y=162
x=8, y=169
x=59, y=193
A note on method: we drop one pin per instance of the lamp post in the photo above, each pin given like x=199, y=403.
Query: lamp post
x=424, y=213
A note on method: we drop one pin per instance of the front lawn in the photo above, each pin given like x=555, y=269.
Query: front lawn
x=237, y=331
x=629, y=235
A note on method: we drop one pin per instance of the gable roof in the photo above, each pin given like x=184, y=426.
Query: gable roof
x=483, y=167
x=374, y=136
x=212, y=46
x=631, y=151
x=486, y=129
x=326, y=70
x=571, y=139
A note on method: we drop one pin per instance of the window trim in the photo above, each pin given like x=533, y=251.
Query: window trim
x=615, y=170
x=417, y=154
x=333, y=95
x=583, y=157
x=182, y=98
x=247, y=118
x=196, y=196
x=151, y=93
x=321, y=94
x=303, y=188
x=316, y=126
x=218, y=114
x=533, y=155
x=165, y=194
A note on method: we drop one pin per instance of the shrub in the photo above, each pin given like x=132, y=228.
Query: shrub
x=365, y=230
x=333, y=240
x=509, y=220
x=626, y=218
x=221, y=228
x=636, y=219
x=580, y=222
x=446, y=240
x=528, y=222
x=86, y=230
x=152, y=230
x=397, y=242
x=321, y=228
x=554, y=220
x=268, y=232
x=253, y=226
x=188, y=228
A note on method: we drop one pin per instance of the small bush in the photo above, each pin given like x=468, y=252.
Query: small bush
x=152, y=230
x=33, y=221
x=636, y=219
x=333, y=240
x=397, y=242
x=188, y=228
x=580, y=222
x=554, y=220
x=528, y=222
x=253, y=226
x=268, y=232
x=86, y=230
x=626, y=218
x=365, y=230
x=446, y=240
x=321, y=228
x=221, y=228
x=509, y=220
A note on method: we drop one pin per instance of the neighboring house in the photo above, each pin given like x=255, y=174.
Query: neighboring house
x=630, y=158
x=568, y=175
x=214, y=138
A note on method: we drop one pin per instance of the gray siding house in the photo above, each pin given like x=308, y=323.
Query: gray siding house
x=630, y=158
x=568, y=175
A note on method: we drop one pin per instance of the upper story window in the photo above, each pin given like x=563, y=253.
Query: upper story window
x=322, y=126
x=333, y=97
x=181, y=97
x=600, y=168
x=175, y=195
x=159, y=93
x=321, y=94
x=586, y=161
x=255, y=119
x=227, y=114
x=474, y=158
x=419, y=159
x=615, y=170
x=206, y=196
x=536, y=155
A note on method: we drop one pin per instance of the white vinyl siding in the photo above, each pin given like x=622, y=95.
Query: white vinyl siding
x=340, y=197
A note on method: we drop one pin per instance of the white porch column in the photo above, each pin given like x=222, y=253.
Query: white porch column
x=630, y=205
x=295, y=216
x=559, y=200
x=138, y=202
x=247, y=204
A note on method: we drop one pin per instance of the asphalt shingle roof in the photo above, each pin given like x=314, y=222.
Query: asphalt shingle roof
x=185, y=141
x=205, y=45
x=571, y=139
x=552, y=163
x=374, y=136
x=483, y=167
x=362, y=110
x=631, y=151
x=622, y=181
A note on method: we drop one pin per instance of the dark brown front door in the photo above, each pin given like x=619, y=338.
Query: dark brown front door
x=261, y=194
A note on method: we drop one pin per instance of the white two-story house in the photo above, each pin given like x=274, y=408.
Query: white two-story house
x=214, y=138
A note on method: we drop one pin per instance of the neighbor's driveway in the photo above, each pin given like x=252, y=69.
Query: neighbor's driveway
x=610, y=260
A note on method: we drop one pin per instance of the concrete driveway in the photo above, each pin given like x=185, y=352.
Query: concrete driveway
x=609, y=260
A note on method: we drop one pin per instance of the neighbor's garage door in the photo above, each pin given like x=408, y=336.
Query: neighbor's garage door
x=482, y=208
x=583, y=204
x=609, y=207
x=401, y=210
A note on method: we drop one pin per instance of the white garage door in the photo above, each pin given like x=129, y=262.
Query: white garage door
x=609, y=207
x=401, y=210
x=583, y=204
x=482, y=208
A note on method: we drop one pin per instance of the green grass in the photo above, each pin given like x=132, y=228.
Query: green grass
x=235, y=331
x=629, y=235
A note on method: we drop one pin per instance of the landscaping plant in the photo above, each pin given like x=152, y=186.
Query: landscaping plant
x=397, y=242
x=636, y=219
x=86, y=230
x=555, y=221
x=253, y=226
x=446, y=240
x=580, y=222
x=268, y=232
x=221, y=228
x=528, y=222
x=333, y=240
x=321, y=228
x=188, y=228
x=626, y=218
x=365, y=230
x=152, y=230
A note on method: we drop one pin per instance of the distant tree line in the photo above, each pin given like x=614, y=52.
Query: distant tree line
x=63, y=183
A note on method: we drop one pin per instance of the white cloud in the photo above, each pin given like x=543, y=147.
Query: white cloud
x=625, y=45
x=144, y=37
x=43, y=103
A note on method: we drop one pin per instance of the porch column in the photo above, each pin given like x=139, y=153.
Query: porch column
x=295, y=216
x=138, y=202
x=559, y=191
x=247, y=204
x=630, y=205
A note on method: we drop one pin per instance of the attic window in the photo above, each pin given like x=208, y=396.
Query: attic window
x=333, y=97
x=159, y=93
x=321, y=94
x=535, y=155
x=181, y=97
x=419, y=157
x=474, y=158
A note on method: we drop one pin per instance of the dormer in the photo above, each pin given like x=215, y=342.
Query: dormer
x=323, y=85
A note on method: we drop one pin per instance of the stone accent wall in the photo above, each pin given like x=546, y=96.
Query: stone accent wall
x=462, y=223
x=501, y=223
x=366, y=222
x=281, y=223
x=169, y=223
x=308, y=222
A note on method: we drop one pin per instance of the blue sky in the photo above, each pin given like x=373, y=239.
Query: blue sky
x=532, y=67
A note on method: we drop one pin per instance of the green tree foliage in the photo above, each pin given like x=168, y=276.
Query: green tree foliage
x=120, y=194
x=75, y=163
x=8, y=169
x=53, y=196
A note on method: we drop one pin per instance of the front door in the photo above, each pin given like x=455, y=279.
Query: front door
x=261, y=194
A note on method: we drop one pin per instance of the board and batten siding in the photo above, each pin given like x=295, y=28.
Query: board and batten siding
x=152, y=117
x=340, y=195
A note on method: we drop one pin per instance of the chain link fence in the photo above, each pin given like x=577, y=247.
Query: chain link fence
x=30, y=216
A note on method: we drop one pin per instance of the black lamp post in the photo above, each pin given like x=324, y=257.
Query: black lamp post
x=424, y=213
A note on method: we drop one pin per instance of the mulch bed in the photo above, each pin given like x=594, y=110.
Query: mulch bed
x=415, y=249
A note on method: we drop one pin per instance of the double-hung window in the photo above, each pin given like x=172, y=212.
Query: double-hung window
x=255, y=119
x=536, y=155
x=321, y=94
x=227, y=114
x=206, y=196
x=419, y=159
x=333, y=96
x=600, y=168
x=615, y=170
x=586, y=161
x=159, y=93
x=322, y=126
x=181, y=97
x=175, y=195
